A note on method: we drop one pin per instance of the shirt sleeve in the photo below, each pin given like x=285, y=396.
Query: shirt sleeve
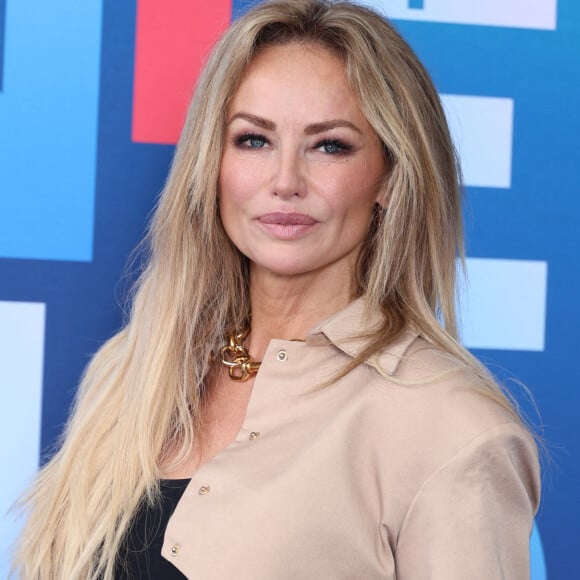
x=473, y=517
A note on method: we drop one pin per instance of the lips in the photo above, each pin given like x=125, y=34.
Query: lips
x=287, y=226
x=287, y=219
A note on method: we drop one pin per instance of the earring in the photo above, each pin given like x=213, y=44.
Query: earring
x=378, y=215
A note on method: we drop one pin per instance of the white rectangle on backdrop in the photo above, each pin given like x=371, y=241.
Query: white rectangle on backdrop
x=482, y=130
x=21, y=366
x=504, y=304
x=535, y=14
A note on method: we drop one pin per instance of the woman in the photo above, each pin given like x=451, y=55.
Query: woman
x=284, y=362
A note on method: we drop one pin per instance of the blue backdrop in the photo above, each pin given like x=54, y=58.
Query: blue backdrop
x=76, y=191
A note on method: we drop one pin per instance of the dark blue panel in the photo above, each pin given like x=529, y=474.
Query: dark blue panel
x=416, y=4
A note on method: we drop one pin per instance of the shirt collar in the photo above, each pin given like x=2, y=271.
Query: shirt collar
x=346, y=330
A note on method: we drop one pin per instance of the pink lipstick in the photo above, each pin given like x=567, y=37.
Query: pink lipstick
x=287, y=226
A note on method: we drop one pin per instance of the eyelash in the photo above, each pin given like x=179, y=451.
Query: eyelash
x=243, y=140
x=341, y=148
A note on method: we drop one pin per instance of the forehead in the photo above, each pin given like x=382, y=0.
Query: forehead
x=297, y=76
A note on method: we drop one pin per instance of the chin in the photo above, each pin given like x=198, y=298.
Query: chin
x=283, y=267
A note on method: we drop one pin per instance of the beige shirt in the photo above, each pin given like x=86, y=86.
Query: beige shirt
x=364, y=479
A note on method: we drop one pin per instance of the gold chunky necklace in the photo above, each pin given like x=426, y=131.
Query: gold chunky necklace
x=237, y=359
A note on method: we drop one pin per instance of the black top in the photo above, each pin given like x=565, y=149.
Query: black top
x=140, y=556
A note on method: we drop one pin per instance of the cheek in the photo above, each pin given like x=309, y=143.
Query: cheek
x=227, y=175
x=226, y=187
x=235, y=187
x=230, y=190
x=355, y=192
x=237, y=180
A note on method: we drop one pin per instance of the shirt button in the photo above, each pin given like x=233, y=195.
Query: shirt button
x=204, y=489
x=254, y=435
x=282, y=355
x=175, y=550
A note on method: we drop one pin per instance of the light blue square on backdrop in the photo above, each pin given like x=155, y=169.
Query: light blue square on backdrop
x=48, y=129
x=22, y=329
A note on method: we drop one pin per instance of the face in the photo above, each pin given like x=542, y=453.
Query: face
x=301, y=167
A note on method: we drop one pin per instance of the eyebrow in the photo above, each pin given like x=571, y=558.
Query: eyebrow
x=254, y=119
x=312, y=129
x=316, y=128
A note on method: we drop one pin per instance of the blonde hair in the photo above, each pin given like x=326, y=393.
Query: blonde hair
x=139, y=404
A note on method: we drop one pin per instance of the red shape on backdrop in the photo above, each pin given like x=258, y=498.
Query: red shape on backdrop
x=173, y=39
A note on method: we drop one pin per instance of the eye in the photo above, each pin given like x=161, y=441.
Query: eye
x=333, y=146
x=251, y=141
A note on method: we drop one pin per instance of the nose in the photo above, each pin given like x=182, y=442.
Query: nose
x=288, y=179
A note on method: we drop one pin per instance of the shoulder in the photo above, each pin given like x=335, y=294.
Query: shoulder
x=441, y=408
x=456, y=439
x=477, y=476
x=441, y=389
x=417, y=393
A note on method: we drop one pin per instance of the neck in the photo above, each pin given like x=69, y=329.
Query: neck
x=288, y=308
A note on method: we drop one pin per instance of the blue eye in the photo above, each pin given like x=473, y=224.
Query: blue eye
x=333, y=146
x=251, y=141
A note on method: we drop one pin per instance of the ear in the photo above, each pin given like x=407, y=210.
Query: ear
x=381, y=199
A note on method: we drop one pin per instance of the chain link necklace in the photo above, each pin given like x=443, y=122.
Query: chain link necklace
x=237, y=359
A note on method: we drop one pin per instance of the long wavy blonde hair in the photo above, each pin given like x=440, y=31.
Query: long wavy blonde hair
x=139, y=404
